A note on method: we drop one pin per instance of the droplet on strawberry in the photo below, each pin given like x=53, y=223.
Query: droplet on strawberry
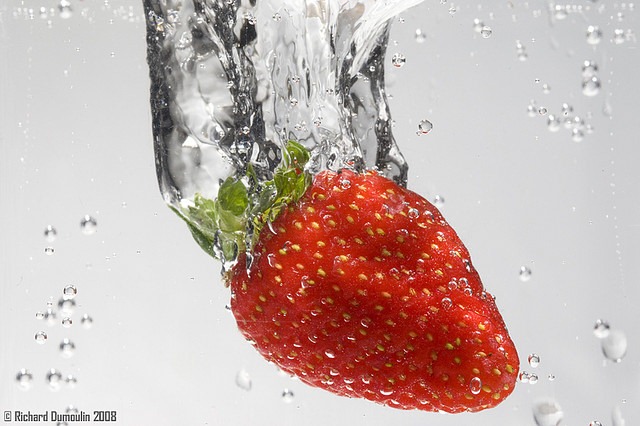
x=363, y=289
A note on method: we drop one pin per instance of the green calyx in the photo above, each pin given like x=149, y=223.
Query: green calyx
x=232, y=222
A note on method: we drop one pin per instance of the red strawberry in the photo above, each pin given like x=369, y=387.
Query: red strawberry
x=363, y=289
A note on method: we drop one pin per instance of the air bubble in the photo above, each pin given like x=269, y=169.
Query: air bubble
x=54, y=377
x=50, y=233
x=41, y=337
x=567, y=109
x=49, y=251
x=398, y=60
x=525, y=273
x=486, y=32
x=589, y=69
x=553, y=123
x=64, y=7
x=438, y=201
x=287, y=396
x=243, y=380
x=475, y=385
x=591, y=86
x=424, y=127
x=88, y=225
x=66, y=305
x=69, y=292
x=86, y=321
x=594, y=34
x=595, y=423
x=577, y=135
x=50, y=316
x=614, y=346
x=478, y=25
x=67, y=348
x=534, y=360
x=533, y=378
x=547, y=412
x=71, y=381
x=601, y=329
x=546, y=89
x=542, y=111
x=67, y=322
x=24, y=378
x=420, y=36
x=413, y=213
x=39, y=315
x=618, y=36
x=446, y=303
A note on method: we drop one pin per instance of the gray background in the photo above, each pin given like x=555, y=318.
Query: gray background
x=75, y=139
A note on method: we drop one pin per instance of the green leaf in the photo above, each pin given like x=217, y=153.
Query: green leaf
x=224, y=221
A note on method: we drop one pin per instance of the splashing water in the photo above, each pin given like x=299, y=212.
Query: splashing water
x=232, y=83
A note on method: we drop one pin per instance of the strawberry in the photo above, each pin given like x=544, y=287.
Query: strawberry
x=360, y=287
x=356, y=285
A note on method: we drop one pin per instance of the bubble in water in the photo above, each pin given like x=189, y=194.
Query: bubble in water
x=546, y=89
x=54, y=377
x=424, y=127
x=88, y=225
x=551, y=377
x=287, y=396
x=523, y=377
x=67, y=348
x=547, y=412
x=591, y=86
x=560, y=12
x=478, y=25
x=413, y=213
x=446, y=303
x=617, y=418
x=50, y=316
x=534, y=360
x=69, y=292
x=24, y=378
x=39, y=315
x=542, y=111
x=50, y=233
x=577, y=135
x=533, y=378
x=475, y=385
x=438, y=201
x=618, y=36
x=594, y=34
x=41, y=337
x=553, y=123
x=49, y=251
x=567, y=109
x=71, y=381
x=66, y=305
x=243, y=380
x=531, y=109
x=420, y=36
x=595, y=423
x=86, y=321
x=67, y=322
x=614, y=346
x=589, y=69
x=398, y=60
x=525, y=273
x=486, y=32
x=64, y=7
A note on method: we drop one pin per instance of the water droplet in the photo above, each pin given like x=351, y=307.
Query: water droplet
x=525, y=273
x=287, y=396
x=67, y=347
x=50, y=233
x=67, y=322
x=438, y=201
x=413, y=213
x=49, y=251
x=69, y=292
x=486, y=32
x=64, y=7
x=591, y=86
x=475, y=385
x=547, y=412
x=330, y=354
x=398, y=60
x=86, y=321
x=88, y=225
x=542, y=110
x=420, y=36
x=41, y=337
x=424, y=127
x=534, y=360
x=24, y=378
x=54, y=377
x=594, y=34
x=243, y=380
x=614, y=345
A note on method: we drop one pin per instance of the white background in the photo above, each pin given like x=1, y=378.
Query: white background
x=75, y=139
